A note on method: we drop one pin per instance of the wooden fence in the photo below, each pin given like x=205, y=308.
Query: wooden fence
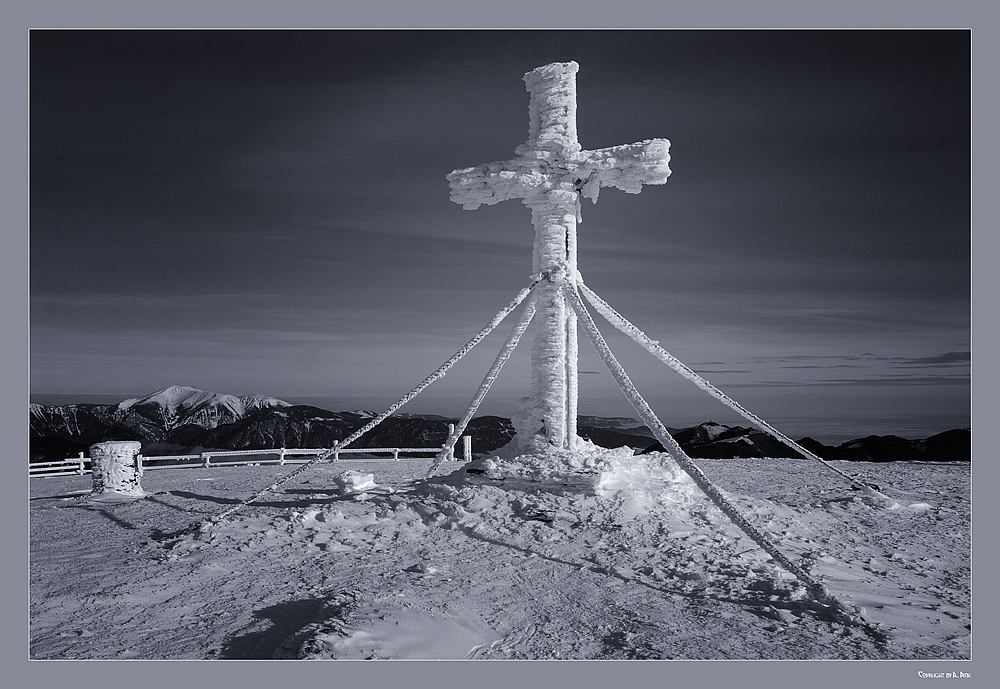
x=216, y=458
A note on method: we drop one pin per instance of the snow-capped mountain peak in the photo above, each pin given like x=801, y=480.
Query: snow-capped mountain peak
x=712, y=429
x=180, y=404
x=170, y=398
x=186, y=397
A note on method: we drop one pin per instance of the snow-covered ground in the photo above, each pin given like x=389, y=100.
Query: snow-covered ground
x=614, y=558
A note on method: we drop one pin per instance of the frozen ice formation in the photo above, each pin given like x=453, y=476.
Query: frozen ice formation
x=116, y=468
x=550, y=173
x=354, y=482
x=552, y=159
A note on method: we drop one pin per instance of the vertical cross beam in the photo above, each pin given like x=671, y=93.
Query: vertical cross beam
x=549, y=173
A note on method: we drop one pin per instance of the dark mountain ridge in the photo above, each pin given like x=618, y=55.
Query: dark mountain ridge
x=178, y=420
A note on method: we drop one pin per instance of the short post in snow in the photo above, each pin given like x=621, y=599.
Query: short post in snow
x=467, y=447
x=336, y=451
x=281, y=456
x=451, y=452
x=206, y=460
x=115, y=467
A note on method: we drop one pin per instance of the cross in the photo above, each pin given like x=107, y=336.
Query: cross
x=549, y=173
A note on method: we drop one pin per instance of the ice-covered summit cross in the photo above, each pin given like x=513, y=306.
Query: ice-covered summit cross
x=549, y=173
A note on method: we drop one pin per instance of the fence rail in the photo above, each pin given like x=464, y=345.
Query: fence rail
x=66, y=467
x=284, y=455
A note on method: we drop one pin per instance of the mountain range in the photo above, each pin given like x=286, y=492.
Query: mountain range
x=179, y=420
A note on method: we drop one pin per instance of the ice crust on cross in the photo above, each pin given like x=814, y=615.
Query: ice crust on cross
x=550, y=173
x=552, y=158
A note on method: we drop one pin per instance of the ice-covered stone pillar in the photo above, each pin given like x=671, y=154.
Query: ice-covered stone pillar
x=550, y=173
x=116, y=469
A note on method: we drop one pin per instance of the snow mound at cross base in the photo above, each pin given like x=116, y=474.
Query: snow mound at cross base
x=603, y=471
x=644, y=483
x=640, y=483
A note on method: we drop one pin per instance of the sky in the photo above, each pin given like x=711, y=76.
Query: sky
x=267, y=212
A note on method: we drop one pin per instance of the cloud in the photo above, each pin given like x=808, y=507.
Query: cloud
x=735, y=370
x=946, y=359
x=824, y=357
x=880, y=381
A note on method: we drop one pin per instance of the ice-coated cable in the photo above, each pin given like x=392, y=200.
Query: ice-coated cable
x=572, y=379
x=818, y=591
x=654, y=348
x=494, y=322
x=515, y=336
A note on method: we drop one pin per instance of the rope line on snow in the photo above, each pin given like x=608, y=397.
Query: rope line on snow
x=818, y=590
x=654, y=348
x=503, y=313
x=508, y=347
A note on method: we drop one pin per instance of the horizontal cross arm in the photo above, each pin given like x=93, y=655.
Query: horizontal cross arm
x=492, y=183
x=625, y=167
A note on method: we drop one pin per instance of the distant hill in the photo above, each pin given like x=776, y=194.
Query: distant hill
x=711, y=440
x=180, y=419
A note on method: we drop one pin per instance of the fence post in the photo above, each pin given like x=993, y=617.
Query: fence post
x=451, y=451
x=395, y=454
x=80, y=464
x=467, y=447
x=205, y=460
x=281, y=456
x=336, y=451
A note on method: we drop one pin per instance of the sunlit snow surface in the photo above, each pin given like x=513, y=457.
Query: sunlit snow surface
x=569, y=555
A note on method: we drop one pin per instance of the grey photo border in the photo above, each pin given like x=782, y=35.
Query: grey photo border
x=22, y=15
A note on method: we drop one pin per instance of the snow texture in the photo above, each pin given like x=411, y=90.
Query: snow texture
x=354, y=482
x=575, y=556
